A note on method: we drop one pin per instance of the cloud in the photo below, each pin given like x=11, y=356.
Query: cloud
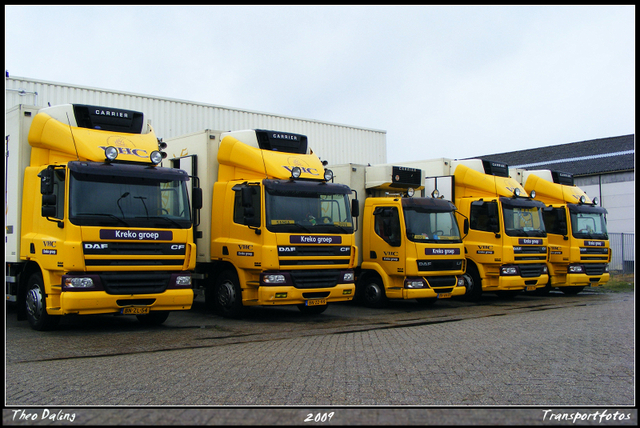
x=443, y=81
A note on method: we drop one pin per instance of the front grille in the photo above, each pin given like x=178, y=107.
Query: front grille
x=594, y=269
x=531, y=271
x=135, y=282
x=313, y=250
x=436, y=265
x=529, y=252
x=441, y=281
x=315, y=278
x=102, y=253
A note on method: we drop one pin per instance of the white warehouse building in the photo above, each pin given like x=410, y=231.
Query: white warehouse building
x=335, y=143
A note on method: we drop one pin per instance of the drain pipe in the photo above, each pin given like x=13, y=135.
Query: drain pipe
x=22, y=92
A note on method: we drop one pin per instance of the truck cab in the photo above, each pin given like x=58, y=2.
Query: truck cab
x=579, y=253
x=274, y=230
x=94, y=224
x=410, y=246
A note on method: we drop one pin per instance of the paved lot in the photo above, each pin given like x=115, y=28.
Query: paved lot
x=497, y=363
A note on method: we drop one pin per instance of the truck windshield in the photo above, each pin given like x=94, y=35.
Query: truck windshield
x=425, y=226
x=307, y=207
x=144, y=198
x=523, y=217
x=588, y=222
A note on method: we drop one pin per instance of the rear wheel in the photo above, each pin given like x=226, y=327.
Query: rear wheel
x=228, y=295
x=36, y=305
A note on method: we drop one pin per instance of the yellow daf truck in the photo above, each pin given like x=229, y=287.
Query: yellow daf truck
x=93, y=224
x=579, y=253
x=504, y=236
x=273, y=229
x=409, y=247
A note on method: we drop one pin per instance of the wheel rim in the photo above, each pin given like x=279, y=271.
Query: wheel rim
x=226, y=294
x=34, y=302
x=372, y=293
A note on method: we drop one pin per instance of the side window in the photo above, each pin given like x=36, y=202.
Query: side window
x=481, y=218
x=247, y=214
x=555, y=221
x=387, y=225
x=58, y=190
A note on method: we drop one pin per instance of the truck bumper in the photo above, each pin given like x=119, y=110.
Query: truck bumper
x=99, y=302
x=430, y=293
x=288, y=295
x=515, y=283
x=582, y=280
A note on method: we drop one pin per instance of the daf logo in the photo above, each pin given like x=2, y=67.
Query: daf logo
x=286, y=249
x=96, y=246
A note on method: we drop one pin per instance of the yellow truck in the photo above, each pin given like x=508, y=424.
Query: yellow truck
x=579, y=253
x=409, y=247
x=503, y=230
x=93, y=224
x=273, y=229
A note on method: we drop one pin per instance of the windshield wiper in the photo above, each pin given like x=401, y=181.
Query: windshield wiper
x=169, y=219
x=105, y=215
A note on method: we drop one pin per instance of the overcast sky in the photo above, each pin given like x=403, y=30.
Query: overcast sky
x=443, y=81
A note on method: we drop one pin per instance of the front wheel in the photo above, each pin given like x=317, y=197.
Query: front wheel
x=372, y=293
x=473, y=284
x=36, y=305
x=228, y=295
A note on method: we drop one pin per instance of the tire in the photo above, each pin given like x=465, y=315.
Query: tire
x=312, y=310
x=473, y=283
x=228, y=295
x=36, y=306
x=372, y=294
x=153, y=317
x=571, y=290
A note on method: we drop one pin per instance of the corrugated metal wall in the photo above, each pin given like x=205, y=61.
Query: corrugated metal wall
x=335, y=143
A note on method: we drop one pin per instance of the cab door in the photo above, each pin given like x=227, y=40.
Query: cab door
x=387, y=249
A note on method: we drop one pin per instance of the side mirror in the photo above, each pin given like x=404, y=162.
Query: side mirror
x=46, y=181
x=196, y=196
x=355, y=208
x=465, y=226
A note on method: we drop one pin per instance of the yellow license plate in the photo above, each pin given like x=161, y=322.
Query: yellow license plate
x=531, y=288
x=316, y=302
x=133, y=310
x=444, y=295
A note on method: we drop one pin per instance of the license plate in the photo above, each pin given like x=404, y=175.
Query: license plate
x=531, y=288
x=444, y=295
x=316, y=302
x=133, y=310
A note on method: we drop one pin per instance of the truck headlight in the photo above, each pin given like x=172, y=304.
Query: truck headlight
x=575, y=269
x=348, y=277
x=156, y=157
x=414, y=283
x=183, y=280
x=274, y=279
x=78, y=282
x=509, y=270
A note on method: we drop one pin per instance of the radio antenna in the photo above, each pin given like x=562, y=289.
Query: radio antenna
x=72, y=137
